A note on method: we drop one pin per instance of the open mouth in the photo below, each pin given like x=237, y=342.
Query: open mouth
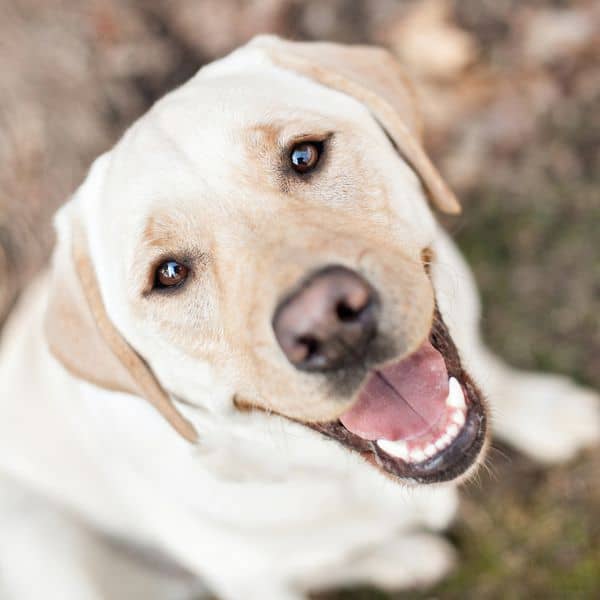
x=420, y=418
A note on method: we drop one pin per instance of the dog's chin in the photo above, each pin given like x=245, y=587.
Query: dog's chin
x=447, y=448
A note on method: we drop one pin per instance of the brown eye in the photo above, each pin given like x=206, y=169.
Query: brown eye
x=170, y=274
x=305, y=156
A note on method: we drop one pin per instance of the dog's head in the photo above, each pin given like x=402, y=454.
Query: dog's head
x=260, y=240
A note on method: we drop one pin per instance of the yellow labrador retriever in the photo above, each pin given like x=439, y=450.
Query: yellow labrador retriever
x=254, y=336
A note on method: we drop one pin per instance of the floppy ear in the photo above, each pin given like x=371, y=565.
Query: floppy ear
x=82, y=337
x=373, y=77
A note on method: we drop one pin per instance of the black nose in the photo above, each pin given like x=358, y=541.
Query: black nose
x=329, y=321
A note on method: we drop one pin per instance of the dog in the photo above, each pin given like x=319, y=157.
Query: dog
x=254, y=349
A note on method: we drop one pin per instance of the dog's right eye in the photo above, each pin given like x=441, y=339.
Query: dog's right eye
x=170, y=274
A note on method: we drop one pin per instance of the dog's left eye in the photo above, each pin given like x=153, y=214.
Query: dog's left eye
x=170, y=274
x=305, y=156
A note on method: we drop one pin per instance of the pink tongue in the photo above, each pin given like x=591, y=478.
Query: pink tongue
x=401, y=400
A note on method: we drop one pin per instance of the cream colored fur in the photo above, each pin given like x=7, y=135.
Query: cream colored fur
x=260, y=506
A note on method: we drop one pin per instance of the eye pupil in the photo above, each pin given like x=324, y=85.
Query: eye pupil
x=170, y=274
x=305, y=156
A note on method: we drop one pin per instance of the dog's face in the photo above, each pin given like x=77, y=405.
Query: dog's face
x=259, y=241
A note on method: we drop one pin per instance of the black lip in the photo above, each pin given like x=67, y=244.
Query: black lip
x=453, y=460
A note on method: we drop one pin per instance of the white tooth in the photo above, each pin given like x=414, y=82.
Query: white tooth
x=417, y=455
x=452, y=430
x=446, y=439
x=440, y=444
x=397, y=449
x=458, y=416
x=456, y=398
x=430, y=450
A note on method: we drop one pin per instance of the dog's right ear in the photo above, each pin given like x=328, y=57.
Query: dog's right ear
x=82, y=337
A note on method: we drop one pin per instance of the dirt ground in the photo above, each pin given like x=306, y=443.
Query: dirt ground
x=510, y=92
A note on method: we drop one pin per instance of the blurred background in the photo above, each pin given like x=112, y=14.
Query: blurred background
x=511, y=95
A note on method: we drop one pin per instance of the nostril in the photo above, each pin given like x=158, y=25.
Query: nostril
x=310, y=346
x=346, y=313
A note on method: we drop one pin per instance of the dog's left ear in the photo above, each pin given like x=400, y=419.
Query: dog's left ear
x=373, y=77
x=83, y=338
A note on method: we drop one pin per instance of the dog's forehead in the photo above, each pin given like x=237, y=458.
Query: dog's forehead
x=202, y=126
x=197, y=146
x=192, y=148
